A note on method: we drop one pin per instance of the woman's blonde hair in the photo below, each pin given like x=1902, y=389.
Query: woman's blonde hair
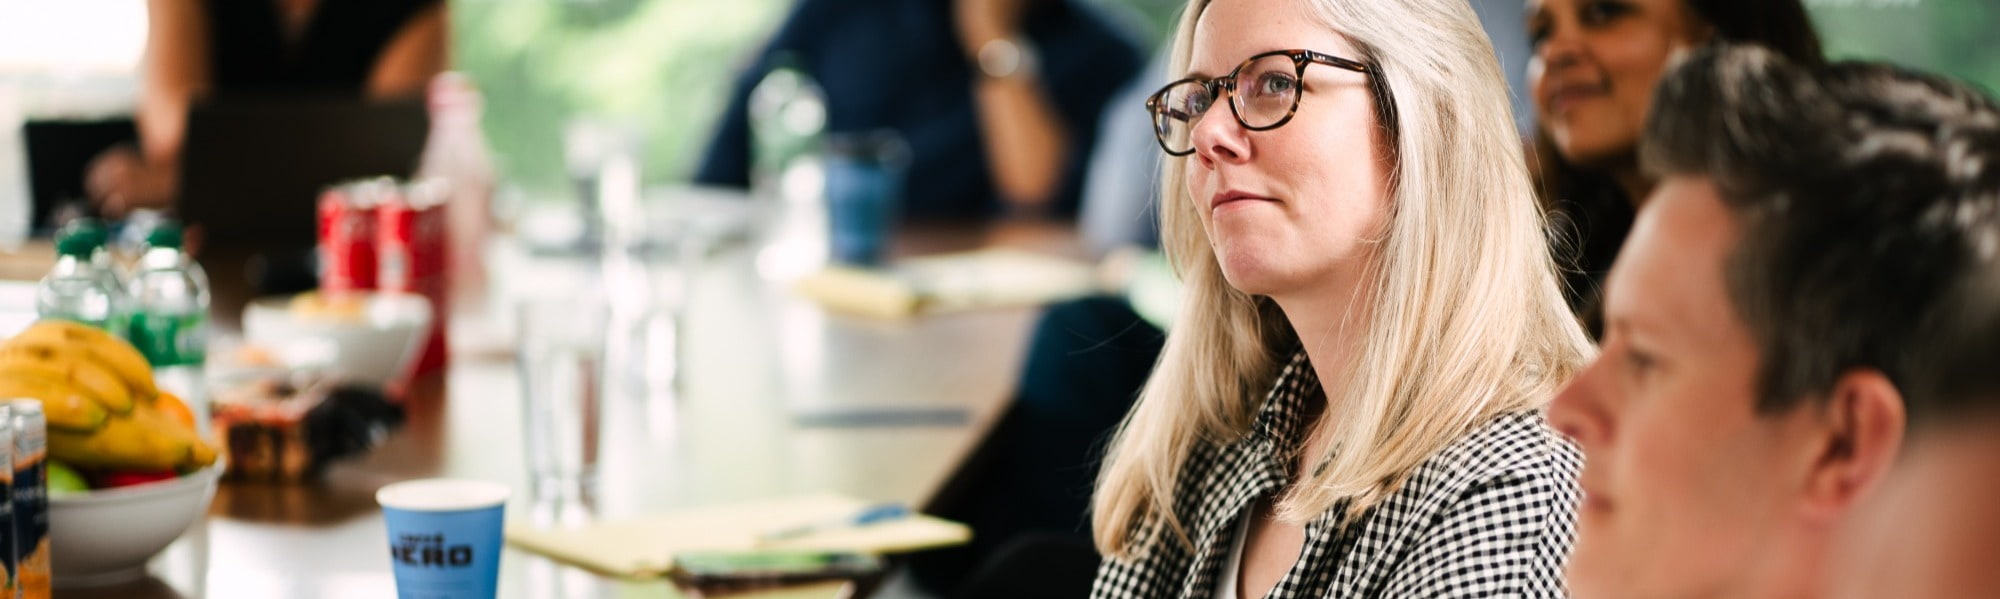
x=1465, y=319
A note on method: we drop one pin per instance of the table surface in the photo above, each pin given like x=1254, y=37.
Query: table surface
x=777, y=398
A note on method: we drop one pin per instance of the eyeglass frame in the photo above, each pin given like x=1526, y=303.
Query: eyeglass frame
x=1300, y=58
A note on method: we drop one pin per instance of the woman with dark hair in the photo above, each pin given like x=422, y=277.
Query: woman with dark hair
x=1591, y=78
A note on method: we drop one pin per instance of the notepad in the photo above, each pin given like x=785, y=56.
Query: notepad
x=644, y=547
x=992, y=278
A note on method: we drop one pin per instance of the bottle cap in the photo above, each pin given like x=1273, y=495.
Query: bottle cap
x=77, y=243
x=88, y=231
x=164, y=235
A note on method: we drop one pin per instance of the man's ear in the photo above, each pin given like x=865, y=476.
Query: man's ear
x=1863, y=432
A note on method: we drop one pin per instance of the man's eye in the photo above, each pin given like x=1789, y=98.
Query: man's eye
x=1640, y=364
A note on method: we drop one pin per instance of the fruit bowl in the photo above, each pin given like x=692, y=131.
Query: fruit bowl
x=106, y=536
x=366, y=337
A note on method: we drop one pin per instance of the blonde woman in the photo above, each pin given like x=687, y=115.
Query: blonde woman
x=1350, y=402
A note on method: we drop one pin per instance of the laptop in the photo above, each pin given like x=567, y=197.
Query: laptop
x=252, y=168
x=59, y=153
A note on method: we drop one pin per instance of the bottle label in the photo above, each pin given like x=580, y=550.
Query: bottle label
x=170, y=339
x=9, y=552
x=31, y=526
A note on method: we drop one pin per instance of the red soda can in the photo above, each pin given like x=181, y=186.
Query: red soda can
x=413, y=247
x=347, y=238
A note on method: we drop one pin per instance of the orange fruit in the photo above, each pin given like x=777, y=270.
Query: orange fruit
x=176, y=409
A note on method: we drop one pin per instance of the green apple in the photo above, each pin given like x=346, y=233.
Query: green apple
x=65, y=481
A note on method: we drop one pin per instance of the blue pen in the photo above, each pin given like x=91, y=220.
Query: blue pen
x=881, y=512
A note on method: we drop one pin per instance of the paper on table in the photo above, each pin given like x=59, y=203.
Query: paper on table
x=644, y=547
x=989, y=278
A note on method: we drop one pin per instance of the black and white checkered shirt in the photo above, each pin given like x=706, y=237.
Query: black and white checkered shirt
x=1491, y=515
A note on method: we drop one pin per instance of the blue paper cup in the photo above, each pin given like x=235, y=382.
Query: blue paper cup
x=444, y=537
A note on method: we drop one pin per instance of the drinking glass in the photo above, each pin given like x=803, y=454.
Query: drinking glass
x=561, y=364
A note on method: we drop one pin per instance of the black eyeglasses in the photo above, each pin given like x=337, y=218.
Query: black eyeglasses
x=1263, y=94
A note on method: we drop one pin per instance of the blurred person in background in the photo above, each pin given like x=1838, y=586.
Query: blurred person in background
x=1086, y=361
x=377, y=49
x=997, y=100
x=1591, y=79
x=1772, y=311
x=1348, y=400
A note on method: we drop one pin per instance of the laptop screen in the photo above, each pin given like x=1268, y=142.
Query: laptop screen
x=252, y=168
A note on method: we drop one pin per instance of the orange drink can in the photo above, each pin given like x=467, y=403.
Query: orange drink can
x=31, y=499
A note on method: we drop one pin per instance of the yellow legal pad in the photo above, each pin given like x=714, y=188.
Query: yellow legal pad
x=644, y=547
x=975, y=280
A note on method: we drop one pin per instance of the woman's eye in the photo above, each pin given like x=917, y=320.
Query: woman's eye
x=1276, y=85
x=1193, y=107
x=1599, y=13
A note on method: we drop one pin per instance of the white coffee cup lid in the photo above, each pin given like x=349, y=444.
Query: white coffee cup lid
x=442, y=495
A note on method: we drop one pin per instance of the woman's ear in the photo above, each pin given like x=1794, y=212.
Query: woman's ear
x=1864, y=420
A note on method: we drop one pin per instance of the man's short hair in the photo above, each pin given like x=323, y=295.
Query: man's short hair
x=1869, y=199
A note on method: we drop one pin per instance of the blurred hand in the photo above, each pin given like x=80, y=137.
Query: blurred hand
x=981, y=21
x=120, y=180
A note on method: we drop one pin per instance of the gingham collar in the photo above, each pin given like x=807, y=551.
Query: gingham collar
x=1281, y=418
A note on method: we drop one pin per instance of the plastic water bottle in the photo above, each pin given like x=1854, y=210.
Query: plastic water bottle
x=169, y=322
x=75, y=289
x=456, y=153
x=787, y=122
x=787, y=134
x=100, y=256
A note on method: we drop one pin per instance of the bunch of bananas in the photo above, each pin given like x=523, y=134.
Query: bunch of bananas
x=97, y=392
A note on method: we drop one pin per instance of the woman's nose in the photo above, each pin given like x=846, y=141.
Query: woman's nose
x=1219, y=138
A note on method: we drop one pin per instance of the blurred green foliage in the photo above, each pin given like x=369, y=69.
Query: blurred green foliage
x=659, y=67
x=1960, y=38
x=662, y=68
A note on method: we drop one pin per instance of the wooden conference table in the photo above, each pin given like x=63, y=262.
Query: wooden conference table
x=779, y=398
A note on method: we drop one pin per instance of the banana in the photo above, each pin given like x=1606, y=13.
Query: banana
x=100, y=400
x=146, y=440
x=115, y=353
x=121, y=445
x=65, y=406
x=67, y=363
x=200, y=454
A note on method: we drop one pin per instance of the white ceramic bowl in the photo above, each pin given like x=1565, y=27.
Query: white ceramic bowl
x=106, y=537
x=375, y=345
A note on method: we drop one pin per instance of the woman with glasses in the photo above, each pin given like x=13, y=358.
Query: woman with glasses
x=1349, y=403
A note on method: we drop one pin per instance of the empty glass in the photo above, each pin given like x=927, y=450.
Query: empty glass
x=561, y=352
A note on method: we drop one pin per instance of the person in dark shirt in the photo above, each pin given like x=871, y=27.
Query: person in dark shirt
x=997, y=99
x=379, y=49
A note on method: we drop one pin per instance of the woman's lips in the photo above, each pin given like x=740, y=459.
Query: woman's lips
x=1566, y=97
x=1230, y=197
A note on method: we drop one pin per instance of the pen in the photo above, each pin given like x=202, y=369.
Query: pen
x=881, y=512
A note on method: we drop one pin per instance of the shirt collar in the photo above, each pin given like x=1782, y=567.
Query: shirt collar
x=1281, y=419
